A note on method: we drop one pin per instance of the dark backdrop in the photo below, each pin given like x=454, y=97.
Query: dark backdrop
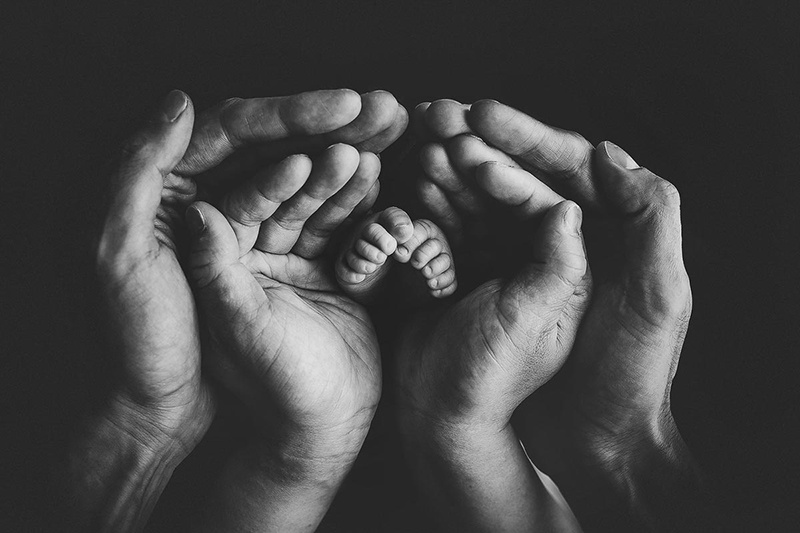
x=704, y=96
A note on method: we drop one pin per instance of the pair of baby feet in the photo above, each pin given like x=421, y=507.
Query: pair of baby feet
x=390, y=236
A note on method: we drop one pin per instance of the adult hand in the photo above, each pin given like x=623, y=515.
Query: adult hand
x=464, y=370
x=160, y=407
x=301, y=357
x=605, y=430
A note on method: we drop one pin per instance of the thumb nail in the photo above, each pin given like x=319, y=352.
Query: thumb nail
x=620, y=156
x=195, y=221
x=573, y=218
x=174, y=104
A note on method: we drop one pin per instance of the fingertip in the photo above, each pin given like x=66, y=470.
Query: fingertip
x=369, y=165
x=173, y=106
x=617, y=155
x=344, y=154
x=320, y=111
x=447, y=118
x=572, y=216
x=195, y=221
x=349, y=102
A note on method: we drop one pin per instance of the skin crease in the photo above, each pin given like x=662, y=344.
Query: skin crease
x=311, y=390
x=462, y=373
x=603, y=428
x=162, y=407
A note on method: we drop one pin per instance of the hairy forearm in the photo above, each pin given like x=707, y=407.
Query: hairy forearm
x=654, y=485
x=118, y=466
x=479, y=479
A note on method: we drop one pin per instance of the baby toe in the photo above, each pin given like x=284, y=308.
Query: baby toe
x=359, y=264
x=443, y=280
x=369, y=252
x=376, y=235
x=436, y=266
x=425, y=252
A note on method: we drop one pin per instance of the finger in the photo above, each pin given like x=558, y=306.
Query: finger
x=434, y=198
x=542, y=289
x=379, y=110
x=466, y=153
x=214, y=249
x=379, y=142
x=238, y=122
x=650, y=209
x=317, y=232
x=440, y=170
x=418, y=124
x=527, y=196
x=562, y=157
x=447, y=118
x=367, y=202
x=148, y=157
x=331, y=171
x=247, y=206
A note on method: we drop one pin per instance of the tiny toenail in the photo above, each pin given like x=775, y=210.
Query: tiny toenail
x=402, y=250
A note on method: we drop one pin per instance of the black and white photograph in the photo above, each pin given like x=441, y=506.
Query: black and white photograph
x=400, y=267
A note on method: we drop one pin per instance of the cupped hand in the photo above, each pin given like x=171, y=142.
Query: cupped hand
x=301, y=356
x=604, y=427
x=150, y=308
x=152, y=318
x=475, y=361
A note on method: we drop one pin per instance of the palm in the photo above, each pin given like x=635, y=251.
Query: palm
x=456, y=364
x=166, y=367
x=153, y=312
x=312, y=350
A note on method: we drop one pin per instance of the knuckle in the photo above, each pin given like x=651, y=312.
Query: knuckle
x=574, y=155
x=669, y=302
x=134, y=147
x=666, y=193
x=113, y=262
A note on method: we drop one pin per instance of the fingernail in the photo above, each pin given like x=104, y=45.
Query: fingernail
x=195, y=221
x=573, y=218
x=174, y=105
x=496, y=163
x=475, y=137
x=620, y=156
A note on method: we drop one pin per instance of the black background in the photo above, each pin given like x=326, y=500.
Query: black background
x=704, y=96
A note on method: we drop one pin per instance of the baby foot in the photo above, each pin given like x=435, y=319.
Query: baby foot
x=363, y=265
x=428, y=252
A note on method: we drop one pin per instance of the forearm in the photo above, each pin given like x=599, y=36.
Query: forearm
x=118, y=466
x=273, y=489
x=654, y=485
x=480, y=479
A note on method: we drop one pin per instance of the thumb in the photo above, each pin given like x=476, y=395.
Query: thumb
x=147, y=157
x=544, y=286
x=215, y=248
x=650, y=210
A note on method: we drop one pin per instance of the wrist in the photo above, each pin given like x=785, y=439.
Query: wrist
x=299, y=454
x=118, y=467
x=449, y=434
x=636, y=477
x=166, y=430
